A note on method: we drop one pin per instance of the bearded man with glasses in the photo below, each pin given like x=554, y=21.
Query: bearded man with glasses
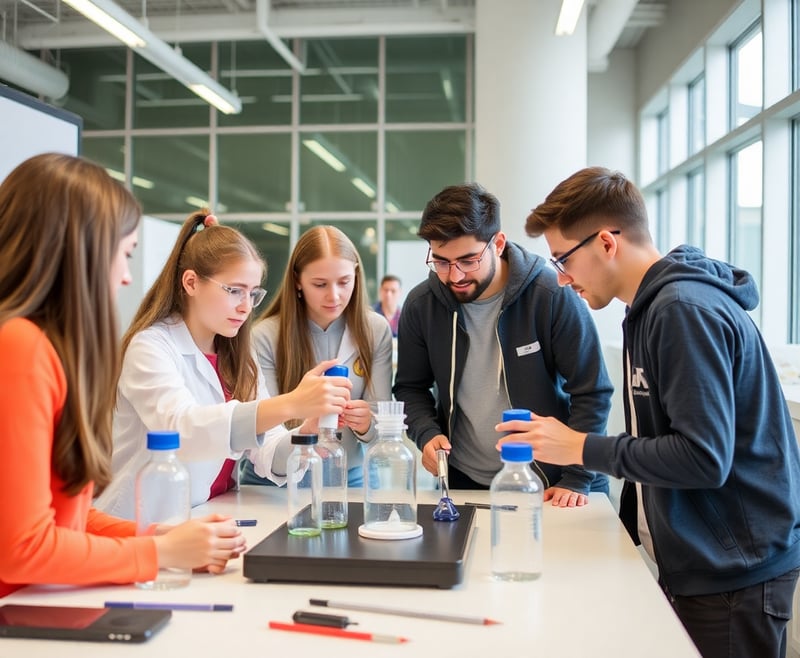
x=490, y=330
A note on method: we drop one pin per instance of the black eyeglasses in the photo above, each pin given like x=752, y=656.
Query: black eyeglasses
x=558, y=263
x=461, y=264
x=237, y=295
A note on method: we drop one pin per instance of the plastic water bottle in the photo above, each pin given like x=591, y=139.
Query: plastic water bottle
x=332, y=420
x=334, y=478
x=304, y=485
x=390, y=480
x=516, y=496
x=163, y=497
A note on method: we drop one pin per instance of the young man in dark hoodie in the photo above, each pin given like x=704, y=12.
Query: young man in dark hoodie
x=710, y=445
x=492, y=330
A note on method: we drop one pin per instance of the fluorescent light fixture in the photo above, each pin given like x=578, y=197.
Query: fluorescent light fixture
x=324, y=154
x=115, y=20
x=197, y=202
x=213, y=98
x=390, y=207
x=362, y=186
x=138, y=181
x=107, y=22
x=277, y=229
x=568, y=17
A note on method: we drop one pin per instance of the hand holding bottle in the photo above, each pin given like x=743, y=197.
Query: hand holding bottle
x=205, y=543
x=317, y=395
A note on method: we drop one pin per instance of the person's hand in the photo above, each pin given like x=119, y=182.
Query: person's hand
x=357, y=416
x=552, y=441
x=317, y=395
x=206, y=543
x=429, y=461
x=565, y=497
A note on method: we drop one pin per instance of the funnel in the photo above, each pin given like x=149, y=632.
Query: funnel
x=446, y=509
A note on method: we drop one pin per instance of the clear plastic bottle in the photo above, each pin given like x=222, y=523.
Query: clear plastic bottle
x=304, y=485
x=516, y=496
x=390, y=480
x=334, y=478
x=163, y=497
x=332, y=420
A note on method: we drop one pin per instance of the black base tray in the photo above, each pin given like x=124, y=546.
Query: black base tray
x=436, y=559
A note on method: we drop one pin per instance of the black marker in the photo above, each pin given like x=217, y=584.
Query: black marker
x=320, y=619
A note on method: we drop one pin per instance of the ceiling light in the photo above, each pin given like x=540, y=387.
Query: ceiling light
x=324, y=154
x=362, y=186
x=107, y=22
x=278, y=229
x=115, y=20
x=568, y=17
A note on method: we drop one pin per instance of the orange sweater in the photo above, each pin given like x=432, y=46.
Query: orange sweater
x=45, y=535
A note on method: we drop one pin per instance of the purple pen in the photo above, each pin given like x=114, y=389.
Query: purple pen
x=197, y=607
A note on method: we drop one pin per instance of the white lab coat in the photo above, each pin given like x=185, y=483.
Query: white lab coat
x=167, y=383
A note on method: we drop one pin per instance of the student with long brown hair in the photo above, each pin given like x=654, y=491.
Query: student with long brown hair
x=188, y=366
x=322, y=312
x=66, y=231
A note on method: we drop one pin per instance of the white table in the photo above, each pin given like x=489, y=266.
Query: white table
x=595, y=598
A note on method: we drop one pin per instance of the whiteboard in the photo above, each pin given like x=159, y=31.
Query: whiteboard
x=29, y=127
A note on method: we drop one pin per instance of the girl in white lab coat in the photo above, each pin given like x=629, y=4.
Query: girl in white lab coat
x=188, y=365
x=321, y=312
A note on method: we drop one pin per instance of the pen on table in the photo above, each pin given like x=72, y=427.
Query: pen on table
x=336, y=632
x=144, y=605
x=246, y=522
x=421, y=614
x=511, y=508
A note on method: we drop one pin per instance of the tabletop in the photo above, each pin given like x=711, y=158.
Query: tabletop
x=596, y=597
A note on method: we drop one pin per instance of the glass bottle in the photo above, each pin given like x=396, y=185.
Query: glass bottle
x=304, y=487
x=162, y=494
x=334, y=478
x=516, y=495
x=390, y=480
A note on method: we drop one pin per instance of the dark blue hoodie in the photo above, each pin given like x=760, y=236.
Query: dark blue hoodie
x=714, y=446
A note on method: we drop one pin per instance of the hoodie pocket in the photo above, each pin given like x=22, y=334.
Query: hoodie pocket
x=708, y=513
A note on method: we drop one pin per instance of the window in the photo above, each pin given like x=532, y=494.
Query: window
x=794, y=247
x=747, y=80
x=696, y=212
x=662, y=220
x=97, y=82
x=340, y=84
x=662, y=124
x=697, y=114
x=746, y=215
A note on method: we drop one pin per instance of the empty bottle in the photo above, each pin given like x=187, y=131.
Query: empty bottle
x=334, y=478
x=304, y=487
x=390, y=480
x=517, y=496
x=163, y=497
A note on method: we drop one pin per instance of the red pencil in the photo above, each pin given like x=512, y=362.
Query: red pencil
x=336, y=632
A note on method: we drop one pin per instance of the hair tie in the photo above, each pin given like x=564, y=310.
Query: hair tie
x=210, y=220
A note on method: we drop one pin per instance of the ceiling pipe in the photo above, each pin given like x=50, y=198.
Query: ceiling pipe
x=262, y=22
x=606, y=22
x=31, y=73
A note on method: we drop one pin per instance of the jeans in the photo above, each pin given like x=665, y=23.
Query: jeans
x=745, y=623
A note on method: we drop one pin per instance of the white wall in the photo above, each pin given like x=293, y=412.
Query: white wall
x=156, y=239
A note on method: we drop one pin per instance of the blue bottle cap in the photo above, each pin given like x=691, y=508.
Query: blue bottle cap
x=516, y=414
x=304, y=439
x=163, y=440
x=516, y=452
x=337, y=371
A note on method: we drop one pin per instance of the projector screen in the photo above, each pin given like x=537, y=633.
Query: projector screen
x=29, y=127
